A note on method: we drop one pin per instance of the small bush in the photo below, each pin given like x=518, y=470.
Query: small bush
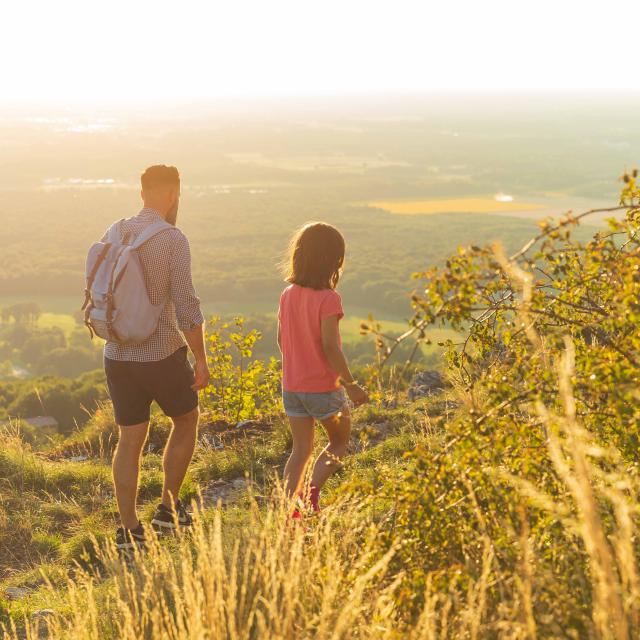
x=241, y=387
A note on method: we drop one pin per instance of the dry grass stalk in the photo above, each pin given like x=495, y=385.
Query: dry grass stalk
x=524, y=580
x=608, y=611
x=569, y=447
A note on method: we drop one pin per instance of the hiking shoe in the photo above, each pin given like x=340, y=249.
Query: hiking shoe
x=130, y=539
x=165, y=521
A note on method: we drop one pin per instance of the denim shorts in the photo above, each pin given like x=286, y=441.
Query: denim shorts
x=315, y=405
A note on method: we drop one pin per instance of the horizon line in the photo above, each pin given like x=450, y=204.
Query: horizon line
x=210, y=100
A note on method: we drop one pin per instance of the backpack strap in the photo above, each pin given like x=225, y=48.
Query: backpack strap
x=110, y=307
x=113, y=236
x=150, y=231
x=92, y=275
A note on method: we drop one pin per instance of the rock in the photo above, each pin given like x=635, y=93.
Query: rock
x=426, y=383
x=77, y=458
x=246, y=424
x=15, y=593
x=43, y=613
x=382, y=429
x=212, y=440
x=219, y=426
x=222, y=492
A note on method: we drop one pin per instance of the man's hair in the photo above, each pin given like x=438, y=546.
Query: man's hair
x=316, y=255
x=159, y=176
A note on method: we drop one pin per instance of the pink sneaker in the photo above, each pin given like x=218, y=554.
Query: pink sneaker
x=298, y=509
x=314, y=499
x=296, y=522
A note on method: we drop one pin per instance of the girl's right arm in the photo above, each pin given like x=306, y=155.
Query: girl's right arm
x=337, y=361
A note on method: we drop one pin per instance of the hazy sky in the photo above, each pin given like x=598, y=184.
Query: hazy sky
x=137, y=49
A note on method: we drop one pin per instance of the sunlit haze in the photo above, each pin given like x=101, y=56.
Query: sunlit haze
x=143, y=51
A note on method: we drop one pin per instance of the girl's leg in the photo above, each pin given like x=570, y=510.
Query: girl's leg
x=302, y=431
x=338, y=428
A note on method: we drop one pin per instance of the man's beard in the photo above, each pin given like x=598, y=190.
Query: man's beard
x=172, y=215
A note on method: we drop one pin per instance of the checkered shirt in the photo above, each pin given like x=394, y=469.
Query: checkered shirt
x=166, y=259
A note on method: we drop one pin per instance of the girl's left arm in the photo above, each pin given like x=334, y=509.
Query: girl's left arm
x=335, y=357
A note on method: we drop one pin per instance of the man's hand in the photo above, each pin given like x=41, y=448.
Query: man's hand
x=195, y=340
x=357, y=394
x=201, y=371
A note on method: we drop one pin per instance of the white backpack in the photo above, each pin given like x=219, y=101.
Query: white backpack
x=117, y=305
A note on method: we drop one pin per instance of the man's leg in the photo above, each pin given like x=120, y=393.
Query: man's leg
x=178, y=454
x=126, y=466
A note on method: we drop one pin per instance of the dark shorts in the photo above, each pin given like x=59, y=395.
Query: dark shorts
x=133, y=386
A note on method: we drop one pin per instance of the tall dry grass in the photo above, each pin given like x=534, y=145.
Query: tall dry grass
x=271, y=581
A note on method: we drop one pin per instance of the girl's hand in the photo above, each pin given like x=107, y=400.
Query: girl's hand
x=357, y=394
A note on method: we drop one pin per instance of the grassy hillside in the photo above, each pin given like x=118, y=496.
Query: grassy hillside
x=382, y=561
x=55, y=508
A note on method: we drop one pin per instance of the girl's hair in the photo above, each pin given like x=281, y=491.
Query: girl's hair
x=316, y=256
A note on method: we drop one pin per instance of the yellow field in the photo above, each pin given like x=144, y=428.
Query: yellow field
x=453, y=205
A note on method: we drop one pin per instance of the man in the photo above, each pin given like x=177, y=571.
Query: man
x=158, y=368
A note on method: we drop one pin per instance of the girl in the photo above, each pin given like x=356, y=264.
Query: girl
x=315, y=371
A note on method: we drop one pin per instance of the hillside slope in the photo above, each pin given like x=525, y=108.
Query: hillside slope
x=59, y=503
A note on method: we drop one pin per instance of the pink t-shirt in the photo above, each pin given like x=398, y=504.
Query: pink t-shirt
x=304, y=365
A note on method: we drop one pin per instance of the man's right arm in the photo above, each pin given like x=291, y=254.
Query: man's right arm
x=187, y=306
x=195, y=340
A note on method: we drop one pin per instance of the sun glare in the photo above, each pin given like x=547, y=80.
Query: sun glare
x=123, y=51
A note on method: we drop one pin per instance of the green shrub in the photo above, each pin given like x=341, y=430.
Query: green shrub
x=510, y=479
x=241, y=387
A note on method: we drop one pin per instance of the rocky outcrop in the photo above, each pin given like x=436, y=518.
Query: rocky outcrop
x=426, y=383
